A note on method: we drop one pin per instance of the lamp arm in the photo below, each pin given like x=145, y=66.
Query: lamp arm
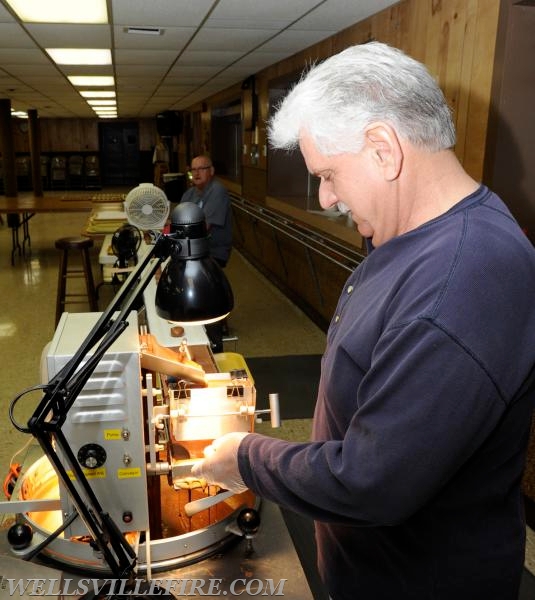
x=60, y=394
x=117, y=325
x=105, y=329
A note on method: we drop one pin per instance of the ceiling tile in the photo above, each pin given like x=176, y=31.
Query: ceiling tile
x=22, y=56
x=258, y=60
x=226, y=39
x=274, y=15
x=292, y=41
x=5, y=15
x=220, y=58
x=160, y=13
x=14, y=36
x=199, y=72
x=155, y=72
x=335, y=15
x=144, y=57
x=70, y=36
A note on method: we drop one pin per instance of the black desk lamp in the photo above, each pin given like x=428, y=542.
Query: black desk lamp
x=192, y=287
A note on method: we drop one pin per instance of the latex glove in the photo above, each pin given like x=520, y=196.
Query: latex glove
x=220, y=465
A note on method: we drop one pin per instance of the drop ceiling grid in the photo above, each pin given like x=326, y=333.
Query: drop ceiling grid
x=205, y=46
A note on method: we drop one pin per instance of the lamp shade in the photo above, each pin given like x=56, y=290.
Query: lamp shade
x=193, y=287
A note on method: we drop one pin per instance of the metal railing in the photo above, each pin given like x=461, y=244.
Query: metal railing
x=314, y=243
x=328, y=247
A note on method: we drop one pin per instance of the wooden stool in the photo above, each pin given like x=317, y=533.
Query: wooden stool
x=82, y=244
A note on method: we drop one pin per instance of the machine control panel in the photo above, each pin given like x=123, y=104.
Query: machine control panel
x=104, y=426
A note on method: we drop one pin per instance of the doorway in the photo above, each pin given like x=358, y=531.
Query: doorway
x=119, y=151
x=509, y=158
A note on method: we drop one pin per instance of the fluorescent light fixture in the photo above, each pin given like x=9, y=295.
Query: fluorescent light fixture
x=60, y=11
x=80, y=56
x=91, y=80
x=102, y=102
x=107, y=116
x=97, y=94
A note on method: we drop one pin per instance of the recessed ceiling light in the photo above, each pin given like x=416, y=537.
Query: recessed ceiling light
x=80, y=56
x=102, y=103
x=97, y=94
x=60, y=11
x=91, y=80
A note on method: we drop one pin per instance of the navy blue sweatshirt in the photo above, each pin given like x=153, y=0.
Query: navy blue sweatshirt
x=422, y=417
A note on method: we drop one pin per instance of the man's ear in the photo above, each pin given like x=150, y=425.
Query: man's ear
x=386, y=149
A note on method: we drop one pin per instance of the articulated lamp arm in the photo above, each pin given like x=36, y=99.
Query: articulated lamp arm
x=60, y=394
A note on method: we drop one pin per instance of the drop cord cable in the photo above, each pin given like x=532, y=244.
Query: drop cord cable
x=35, y=551
x=13, y=403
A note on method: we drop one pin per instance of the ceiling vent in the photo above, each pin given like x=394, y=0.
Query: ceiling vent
x=144, y=30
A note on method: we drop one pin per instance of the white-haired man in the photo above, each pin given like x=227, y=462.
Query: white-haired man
x=426, y=392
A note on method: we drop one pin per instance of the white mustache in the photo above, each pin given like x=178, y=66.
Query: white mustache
x=343, y=208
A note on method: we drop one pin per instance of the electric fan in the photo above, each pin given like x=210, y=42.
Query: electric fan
x=147, y=207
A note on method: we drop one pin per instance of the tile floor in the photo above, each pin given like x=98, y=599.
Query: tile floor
x=264, y=320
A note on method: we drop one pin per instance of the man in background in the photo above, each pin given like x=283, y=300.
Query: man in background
x=211, y=195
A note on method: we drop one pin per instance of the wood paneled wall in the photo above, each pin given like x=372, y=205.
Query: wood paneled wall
x=77, y=135
x=455, y=39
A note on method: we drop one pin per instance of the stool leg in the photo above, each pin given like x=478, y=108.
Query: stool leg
x=15, y=244
x=26, y=232
x=62, y=285
x=89, y=282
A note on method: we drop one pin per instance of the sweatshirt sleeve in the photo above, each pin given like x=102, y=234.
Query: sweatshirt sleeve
x=420, y=412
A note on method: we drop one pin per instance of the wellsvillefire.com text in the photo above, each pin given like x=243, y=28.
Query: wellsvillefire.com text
x=139, y=587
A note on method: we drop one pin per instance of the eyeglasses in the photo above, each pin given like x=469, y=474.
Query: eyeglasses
x=195, y=169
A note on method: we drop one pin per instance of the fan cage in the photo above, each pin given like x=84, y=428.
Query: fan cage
x=147, y=207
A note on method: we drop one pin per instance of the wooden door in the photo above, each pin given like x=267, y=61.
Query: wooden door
x=119, y=151
x=510, y=160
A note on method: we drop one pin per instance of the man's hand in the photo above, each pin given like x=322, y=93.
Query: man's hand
x=220, y=465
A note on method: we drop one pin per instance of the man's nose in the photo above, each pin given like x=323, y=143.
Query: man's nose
x=327, y=197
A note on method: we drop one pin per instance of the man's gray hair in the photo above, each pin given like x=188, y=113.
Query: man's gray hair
x=335, y=100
